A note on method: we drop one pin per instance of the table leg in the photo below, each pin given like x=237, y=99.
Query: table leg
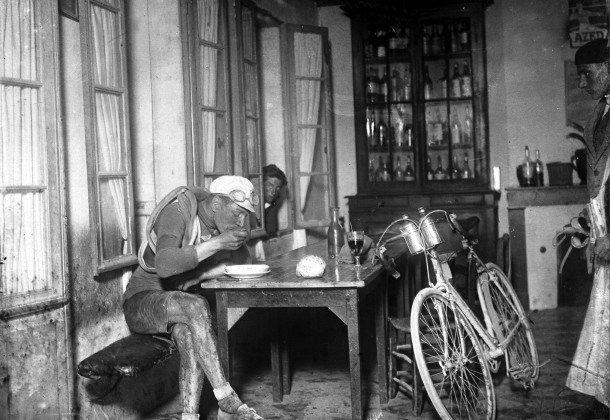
x=353, y=337
x=222, y=321
x=380, y=335
x=285, y=350
x=276, y=362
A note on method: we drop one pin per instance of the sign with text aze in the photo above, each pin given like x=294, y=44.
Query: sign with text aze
x=588, y=20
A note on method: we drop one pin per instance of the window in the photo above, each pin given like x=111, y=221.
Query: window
x=32, y=234
x=108, y=145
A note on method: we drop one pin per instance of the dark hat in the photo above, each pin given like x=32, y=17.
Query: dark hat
x=592, y=52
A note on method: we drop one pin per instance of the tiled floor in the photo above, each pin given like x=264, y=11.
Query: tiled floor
x=320, y=387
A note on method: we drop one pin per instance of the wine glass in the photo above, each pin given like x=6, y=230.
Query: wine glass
x=355, y=241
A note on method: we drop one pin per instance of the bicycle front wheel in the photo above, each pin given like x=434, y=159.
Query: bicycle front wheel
x=504, y=313
x=450, y=359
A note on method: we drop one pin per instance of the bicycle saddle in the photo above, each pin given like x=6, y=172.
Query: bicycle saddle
x=463, y=226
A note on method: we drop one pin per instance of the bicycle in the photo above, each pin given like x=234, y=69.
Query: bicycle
x=454, y=352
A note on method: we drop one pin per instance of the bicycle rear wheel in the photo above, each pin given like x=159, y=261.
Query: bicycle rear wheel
x=450, y=359
x=503, y=312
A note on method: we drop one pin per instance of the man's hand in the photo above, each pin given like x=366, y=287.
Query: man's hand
x=602, y=248
x=231, y=240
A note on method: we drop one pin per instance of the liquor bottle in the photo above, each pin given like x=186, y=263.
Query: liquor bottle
x=440, y=173
x=528, y=170
x=465, y=80
x=409, y=173
x=464, y=37
x=403, y=41
x=381, y=42
x=382, y=132
x=456, y=128
x=399, y=173
x=396, y=89
x=372, y=85
x=393, y=42
x=435, y=41
x=456, y=90
x=429, y=171
x=443, y=81
x=455, y=43
x=466, y=171
x=438, y=128
x=369, y=46
x=467, y=127
x=539, y=170
x=408, y=137
x=378, y=175
x=383, y=87
x=371, y=129
x=372, y=170
x=427, y=84
x=335, y=234
x=385, y=169
x=425, y=41
x=429, y=128
x=407, y=84
x=456, y=172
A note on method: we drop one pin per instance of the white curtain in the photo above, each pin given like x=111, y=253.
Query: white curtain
x=108, y=72
x=308, y=62
x=23, y=209
x=208, y=31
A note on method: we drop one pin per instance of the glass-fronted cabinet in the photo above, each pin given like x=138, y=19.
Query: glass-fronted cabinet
x=421, y=101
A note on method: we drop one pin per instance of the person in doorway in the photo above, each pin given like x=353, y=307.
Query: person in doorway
x=195, y=234
x=274, y=180
x=590, y=369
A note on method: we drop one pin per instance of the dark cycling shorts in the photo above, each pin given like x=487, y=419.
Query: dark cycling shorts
x=146, y=312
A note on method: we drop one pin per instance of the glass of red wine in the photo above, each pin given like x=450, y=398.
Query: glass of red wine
x=355, y=241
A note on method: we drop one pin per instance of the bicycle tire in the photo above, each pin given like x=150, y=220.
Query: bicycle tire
x=506, y=310
x=452, y=365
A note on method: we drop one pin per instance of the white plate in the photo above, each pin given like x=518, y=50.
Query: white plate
x=247, y=269
x=247, y=275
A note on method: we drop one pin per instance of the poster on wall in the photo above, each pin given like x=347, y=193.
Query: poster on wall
x=588, y=20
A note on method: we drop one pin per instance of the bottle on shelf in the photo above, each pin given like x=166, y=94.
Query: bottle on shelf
x=429, y=128
x=372, y=85
x=456, y=172
x=528, y=170
x=427, y=84
x=465, y=80
x=425, y=41
x=438, y=128
x=440, y=173
x=435, y=41
x=455, y=43
x=399, y=173
x=456, y=90
x=371, y=127
x=396, y=88
x=464, y=37
x=443, y=81
x=372, y=173
x=456, y=128
x=369, y=46
x=382, y=132
x=467, y=132
x=409, y=173
x=408, y=137
x=393, y=42
x=385, y=170
x=404, y=41
x=378, y=175
x=381, y=42
x=539, y=170
x=407, y=84
x=429, y=171
x=466, y=171
x=383, y=87
x=335, y=234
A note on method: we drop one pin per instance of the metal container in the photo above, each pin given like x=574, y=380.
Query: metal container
x=410, y=232
x=430, y=233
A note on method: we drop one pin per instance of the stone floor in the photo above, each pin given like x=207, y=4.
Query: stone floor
x=320, y=381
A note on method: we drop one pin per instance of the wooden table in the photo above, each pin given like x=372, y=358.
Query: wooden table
x=341, y=289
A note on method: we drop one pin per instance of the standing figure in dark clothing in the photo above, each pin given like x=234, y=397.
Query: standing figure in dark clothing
x=193, y=238
x=590, y=370
x=273, y=182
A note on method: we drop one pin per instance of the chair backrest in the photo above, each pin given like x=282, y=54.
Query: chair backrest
x=503, y=255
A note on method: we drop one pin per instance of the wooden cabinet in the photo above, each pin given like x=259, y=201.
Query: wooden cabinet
x=421, y=114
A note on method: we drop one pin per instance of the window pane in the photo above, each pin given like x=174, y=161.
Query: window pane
x=215, y=153
x=249, y=35
x=107, y=63
x=115, y=224
x=251, y=88
x=209, y=17
x=312, y=153
x=308, y=101
x=212, y=77
x=314, y=202
x=252, y=144
x=22, y=157
x=308, y=55
x=24, y=243
x=110, y=148
x=18, y=40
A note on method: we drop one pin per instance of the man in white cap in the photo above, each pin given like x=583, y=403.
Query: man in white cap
x=195, y=234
